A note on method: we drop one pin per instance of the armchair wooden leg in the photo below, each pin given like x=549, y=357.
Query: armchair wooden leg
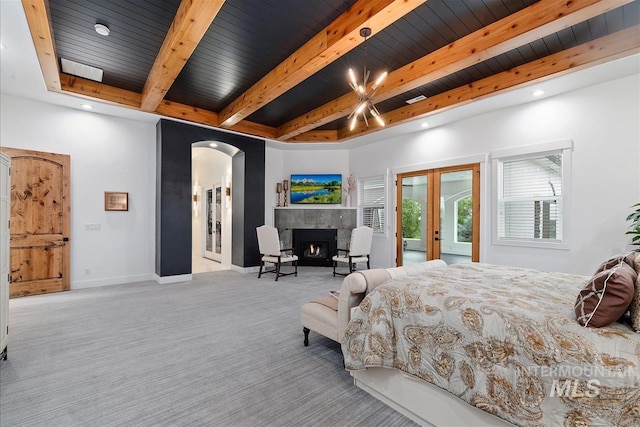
x=334, y=268
x=277, y=271
x=306, y=336
x=261, y=266
x=296, y=264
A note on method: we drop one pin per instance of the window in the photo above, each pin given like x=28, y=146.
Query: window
x=530, y=198
x=464, y=220
x=371, y=203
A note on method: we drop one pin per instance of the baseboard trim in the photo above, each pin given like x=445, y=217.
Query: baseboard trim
x=245, y=270
x=108, y=281
x=163, y=280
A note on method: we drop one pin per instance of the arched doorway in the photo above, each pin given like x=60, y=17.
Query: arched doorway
x=211, y=172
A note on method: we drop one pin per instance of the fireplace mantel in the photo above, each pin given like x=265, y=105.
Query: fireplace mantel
x=342, y=219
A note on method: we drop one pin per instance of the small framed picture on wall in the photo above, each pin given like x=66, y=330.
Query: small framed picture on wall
x=116, y=201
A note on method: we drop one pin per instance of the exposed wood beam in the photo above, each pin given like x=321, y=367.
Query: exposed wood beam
x=317, y=136
x=96, y=90
x=192, y=20
x=205, y=117
x=608, y=48
x=335, y=40
x=37, y=15
x=530, y=24
x=255, y=129
x=187, y=112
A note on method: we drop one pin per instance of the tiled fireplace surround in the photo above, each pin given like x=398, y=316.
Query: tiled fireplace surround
x=343, y=220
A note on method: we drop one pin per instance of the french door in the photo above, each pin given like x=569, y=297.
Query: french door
x=438, y=215
x=213, y=223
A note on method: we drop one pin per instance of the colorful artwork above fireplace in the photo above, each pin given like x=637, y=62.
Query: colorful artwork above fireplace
x=316, y=188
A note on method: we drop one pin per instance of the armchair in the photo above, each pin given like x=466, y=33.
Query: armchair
x=359, y=249
x=270, y=251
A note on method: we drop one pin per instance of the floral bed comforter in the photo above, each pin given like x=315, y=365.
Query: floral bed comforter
x=503, y=339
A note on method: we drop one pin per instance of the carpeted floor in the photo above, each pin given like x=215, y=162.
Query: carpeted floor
x=222, y=350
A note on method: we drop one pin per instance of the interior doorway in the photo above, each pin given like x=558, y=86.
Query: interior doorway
x=211, y=217
x=438, y=215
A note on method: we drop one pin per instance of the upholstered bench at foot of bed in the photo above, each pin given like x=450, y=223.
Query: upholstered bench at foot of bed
x=321, y=315
x=329, y=315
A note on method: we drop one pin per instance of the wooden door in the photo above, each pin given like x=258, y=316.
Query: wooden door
x=40, y=222
x=438, y=215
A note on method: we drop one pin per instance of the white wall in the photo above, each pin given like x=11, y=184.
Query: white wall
x=107, y=154
x=601, y=120
x=282, y=160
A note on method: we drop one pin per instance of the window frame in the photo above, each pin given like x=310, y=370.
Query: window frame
x=562, y=147
x=360, y=206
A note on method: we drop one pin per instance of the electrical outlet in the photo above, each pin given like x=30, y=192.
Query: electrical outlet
x=92, y=227
x=87, y=271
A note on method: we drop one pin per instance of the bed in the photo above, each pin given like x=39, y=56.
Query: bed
x=480, y=344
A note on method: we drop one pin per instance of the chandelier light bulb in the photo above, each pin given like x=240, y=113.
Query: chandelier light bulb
x=379, y=80
x=353, y=122
x=352, y=76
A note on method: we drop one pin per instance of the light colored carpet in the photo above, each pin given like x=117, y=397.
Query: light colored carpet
x=222, y=350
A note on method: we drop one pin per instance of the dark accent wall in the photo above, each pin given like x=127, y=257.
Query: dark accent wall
x=174, y=188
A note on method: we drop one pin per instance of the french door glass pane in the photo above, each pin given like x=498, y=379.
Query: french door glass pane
x=455, y=228
x=209, y=236
x=414, y=217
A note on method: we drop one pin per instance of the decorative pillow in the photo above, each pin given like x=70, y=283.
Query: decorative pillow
x=635, y=304
x=607, y=296
x=628, y=258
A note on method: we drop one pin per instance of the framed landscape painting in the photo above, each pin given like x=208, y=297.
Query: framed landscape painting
x=316, y=188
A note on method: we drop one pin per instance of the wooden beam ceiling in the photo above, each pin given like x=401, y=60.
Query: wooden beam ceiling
x=330, y=44
x=37, y=14
x=192, y=21
x=530, y=24
x=614, y=46
x=195, y=16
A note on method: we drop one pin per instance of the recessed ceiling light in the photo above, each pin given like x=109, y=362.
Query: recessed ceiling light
x=213, y=145
x=425, y=125
x=538, y=92
x=102, y=29
x=87, y=107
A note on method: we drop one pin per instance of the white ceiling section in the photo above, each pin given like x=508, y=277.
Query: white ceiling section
x=20, y=76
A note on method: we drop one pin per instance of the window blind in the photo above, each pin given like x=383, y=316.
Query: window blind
x=530, y=198
x=371, y=203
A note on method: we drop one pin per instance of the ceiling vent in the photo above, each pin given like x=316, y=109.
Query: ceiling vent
x=81, y=70
x=416, y=99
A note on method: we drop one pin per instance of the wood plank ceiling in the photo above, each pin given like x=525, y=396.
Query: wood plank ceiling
x=278, y=68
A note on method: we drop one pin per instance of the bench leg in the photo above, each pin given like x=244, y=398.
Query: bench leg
x=306, y=336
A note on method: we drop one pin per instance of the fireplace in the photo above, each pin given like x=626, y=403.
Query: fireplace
x=315, y=246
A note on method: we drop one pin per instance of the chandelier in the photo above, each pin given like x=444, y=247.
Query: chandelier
x=365, y=104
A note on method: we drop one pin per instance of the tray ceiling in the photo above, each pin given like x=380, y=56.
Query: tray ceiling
x=278, y=69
